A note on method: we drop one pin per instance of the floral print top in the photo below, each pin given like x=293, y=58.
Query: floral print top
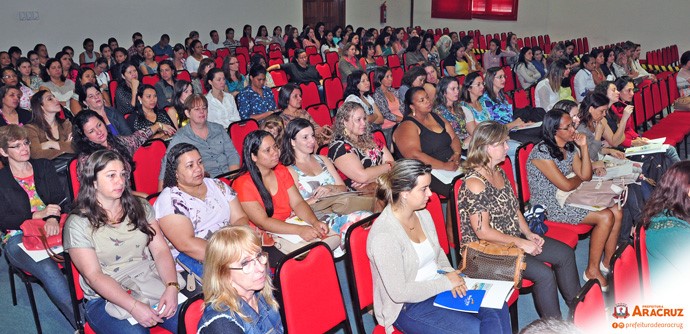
x=500, y=111
x=368, y=157
x=456, y=119
x=28, y=184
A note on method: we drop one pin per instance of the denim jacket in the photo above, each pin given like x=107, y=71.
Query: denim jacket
x=267, y=320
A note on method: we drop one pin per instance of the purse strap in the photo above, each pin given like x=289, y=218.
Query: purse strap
x=53, y=256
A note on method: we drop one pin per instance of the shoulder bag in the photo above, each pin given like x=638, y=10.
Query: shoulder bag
x=35, y=238
x=483, y=259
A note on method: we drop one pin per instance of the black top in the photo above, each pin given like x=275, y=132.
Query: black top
x=300, y=75
x=436, y=145
x=606, y=70
x=118, y=121
x=449, y=61
x=48, y=186
x=24, y=117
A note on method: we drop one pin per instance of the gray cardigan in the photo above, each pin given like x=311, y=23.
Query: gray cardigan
x=394, y=265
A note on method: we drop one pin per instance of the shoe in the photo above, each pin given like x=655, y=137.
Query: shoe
x=603, y=269
x=603, y=288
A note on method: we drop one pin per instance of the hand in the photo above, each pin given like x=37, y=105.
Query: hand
x=628, y=110
x=135, y=84
x=69, y=137
x=536, y=238
x=518, y=123
x=50, y=210
x=145, y=315
x=52, y=227
x=308, y=233
x=617, y=154
x=50, y=145
x=599, y=171
x=169, y=300
x=451, y=165
x=530, y=247
x=322, y=228
x=459, y=288
x=639, y=141
x=580, y=139
x=168, y=130
x=321, y=191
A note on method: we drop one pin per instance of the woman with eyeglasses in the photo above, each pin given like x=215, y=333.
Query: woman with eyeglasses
x=238, y=291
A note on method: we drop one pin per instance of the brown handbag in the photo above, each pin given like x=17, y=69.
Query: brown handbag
x=483, y=259
x=344, y=203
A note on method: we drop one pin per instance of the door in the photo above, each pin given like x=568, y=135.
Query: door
x=330, y=12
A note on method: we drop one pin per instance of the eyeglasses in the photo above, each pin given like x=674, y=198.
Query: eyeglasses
x=26, y=143
x=9, y=76
x=248, y=266
x=568, y=127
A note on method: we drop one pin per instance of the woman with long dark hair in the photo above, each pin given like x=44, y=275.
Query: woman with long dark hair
x=92, y=98
x=112, y=236
x=50, y=136
x=55, y=81
x=290, y=106
x=359, y=91
x=182, y=90
x=165, y=87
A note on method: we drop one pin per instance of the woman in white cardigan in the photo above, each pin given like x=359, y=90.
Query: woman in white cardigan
x=408, y=266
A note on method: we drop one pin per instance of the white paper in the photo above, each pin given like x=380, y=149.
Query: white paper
x=587, y=207
x=531, y=126
x=657, y=141
x=41, y=254
x=654, y=146
x=446, y=176
x=293, y=238
x=496, y=291
x=180, y=299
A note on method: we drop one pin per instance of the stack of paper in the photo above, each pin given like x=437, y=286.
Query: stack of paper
x=653, y=146
x=446, y=176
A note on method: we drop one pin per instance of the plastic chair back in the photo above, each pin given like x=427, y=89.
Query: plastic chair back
x=238, y=130
x=590, y=307
x=333, y=90
x=279, y=77
x=626, y=278
x=320, y=114
x=190, y=314
x=310, y=94
x=147, y=162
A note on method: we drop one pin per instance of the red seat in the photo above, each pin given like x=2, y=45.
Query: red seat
x=190, y=314
x=393, y=61
x=643, y=259
x=112, y=87
x=238, y=130
x=222, y=52
x=625, y=276
x=397, y=73
x=510, y=79
x=309, y=291
x=160, y=58
x=279, y=77
x=324, y=70
x=276, y=93
x=332, y=59
x=310, y=94
x=379, y=61
x=315, y=59
x=275, y=54
x=260, y=49
x=333, y=89
x=275, y=61
x=438, y=215
x=274, y=47
x=311, y=50
x=150, y=79
x=147, y=162
x=73, y=179
x=242, y=50
x=520, y=99
x=320, y=114
x=219, y=62
x=184, y=75
x=242, y=59
x=589, y=312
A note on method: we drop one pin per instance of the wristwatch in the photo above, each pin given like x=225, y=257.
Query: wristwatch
x=175, y=284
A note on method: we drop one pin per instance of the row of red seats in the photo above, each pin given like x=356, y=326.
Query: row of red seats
x=663, y=59
x=581, y=45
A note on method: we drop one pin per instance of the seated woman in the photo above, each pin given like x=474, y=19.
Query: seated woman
x=367, y=60
x=26, y=76
x=290, y=108
x=178, y=58
x=512, y=46
x=127, y=87
x=548, y=165
x=430, y=51
x=621, y=67
x=548, y=91
x=492, y=57
x=355, y=151
x=269, y=196
x=443, y=46
x=414, y=77
x=539, y=61
x=327, y=44
x=597, y=74
x=408, y=265
x=149, y=65
x=192, y=207
x=427, y=137
x=234, y=80
x=413, y=53
x=597, y=127
x=85, y=76
x=10, y=112
x=210, y=139
x=486, y=196
x=55, y=81
x=90, y=134
x=165, y=87
x=10, y=77
x=607, y=66
x=668, y=230
x=92, y=98
x=447, y=105
x=470, y=57
x=455, y=63
x=315, y=175
x=382, y=45
x=182, y=90
x=309, y=39
x=387, y=100
x=221, y=104
x=584, y=79
x=258, y=59
x=626, y=88
x=205, y=66
x=148, y=114
x=238, y=293
x=348, y=62
x=35, y=192
x=472, y=90
x=527, y=74
x=49, y=135
x=111, y=235
x=256, y=100
x=359, y=91
x=191, y=64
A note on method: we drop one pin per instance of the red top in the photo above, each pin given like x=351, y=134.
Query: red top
x=247, y=192
x=630, y=132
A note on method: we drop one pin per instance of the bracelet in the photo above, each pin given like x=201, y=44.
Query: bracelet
x=160, y=126
x=175, y=284
x=133, y=306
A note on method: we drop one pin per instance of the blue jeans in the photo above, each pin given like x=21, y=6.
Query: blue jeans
x=101, y=322
x=46, y=271
x=424, y=317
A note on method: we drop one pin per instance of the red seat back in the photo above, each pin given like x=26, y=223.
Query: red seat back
x=315, y=59
x=150, y=79
x=358, y=267
x=324, y=70
x=393, y=61
x=184, y=75
x=279, y=77
x=242, y=50
x=510, y=79
x=112, y=86
x=147, y=162
x=276, y=92
x=435, y=209
x=590, y=310
x=238, y=130
x=242, y=59
x=638, y=112
x=259, y=48
x=222, y=52
x=219, y=62
x=520, y=99
x=643, y=259
x=626, y=278
x=275, y=54
x=333, y=90
x=522, y=181
x=73, y=179
x=380, y=61
x=190, y=314
x=310, y=94
x=160, y=58
x=275, y=61
x=311, y=50
x=273, y=47
x=320, y=114
x=397, y=73
x=310, y=297
x=332, y=59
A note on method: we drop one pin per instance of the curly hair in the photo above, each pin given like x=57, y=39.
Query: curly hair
x=344, y=114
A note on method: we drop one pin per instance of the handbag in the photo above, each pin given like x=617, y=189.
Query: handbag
x=535, y=217
x=142, y=282
x=344, y=203
x=483, y=259
x=34, y=237
x=599, y=193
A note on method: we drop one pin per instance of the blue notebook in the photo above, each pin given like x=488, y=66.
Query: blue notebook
x=469, y=303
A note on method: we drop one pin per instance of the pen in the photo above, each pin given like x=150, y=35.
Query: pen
x=443, y=272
